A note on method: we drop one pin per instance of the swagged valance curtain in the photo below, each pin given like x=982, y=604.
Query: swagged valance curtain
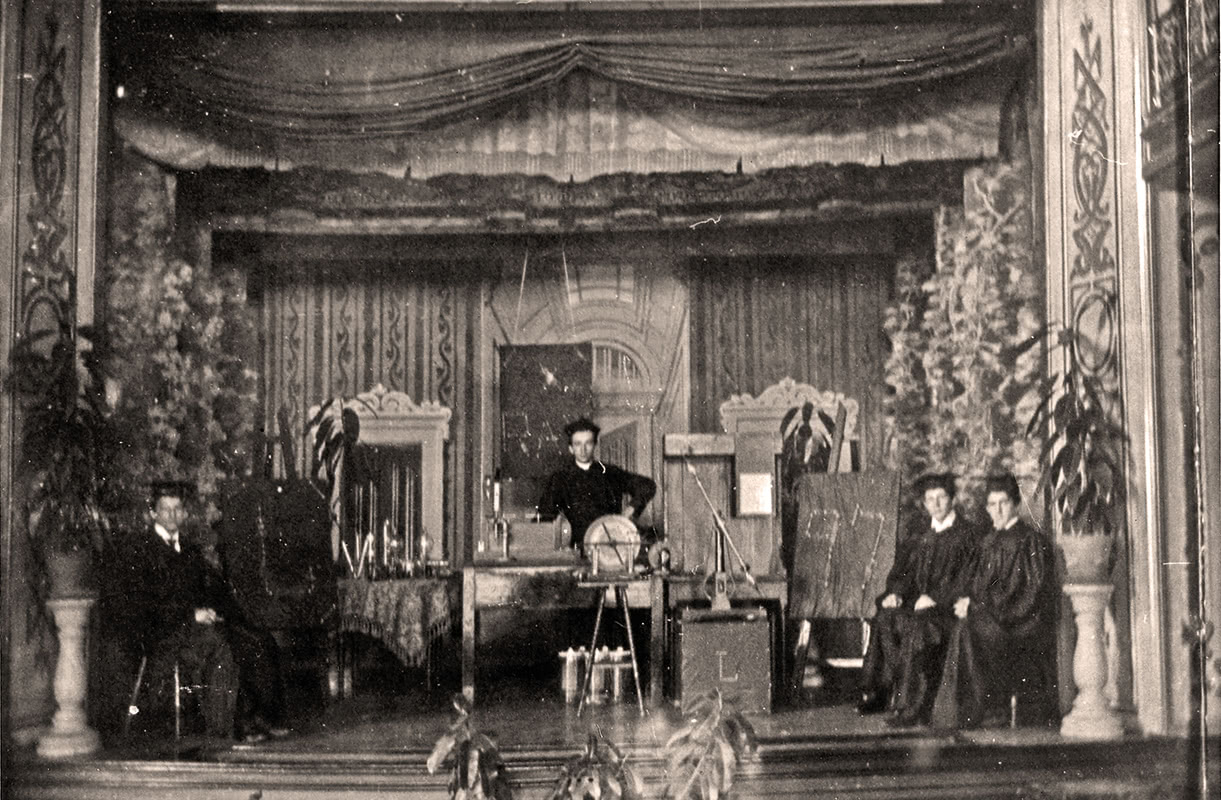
x=372, y=82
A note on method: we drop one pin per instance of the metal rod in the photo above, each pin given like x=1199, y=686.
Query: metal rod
x=720, y=522
x=593, y=649
x=621, y=599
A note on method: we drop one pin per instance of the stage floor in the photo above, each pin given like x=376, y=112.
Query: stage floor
x=527, y=714
x=377, y=743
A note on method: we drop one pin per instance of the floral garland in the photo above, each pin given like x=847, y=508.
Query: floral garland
x=963, y=383
x=182, y=338
x=906, y=407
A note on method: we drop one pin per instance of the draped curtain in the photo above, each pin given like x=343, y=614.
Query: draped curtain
x=434, y=96
x=325, y=83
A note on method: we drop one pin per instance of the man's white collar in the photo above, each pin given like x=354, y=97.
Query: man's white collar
x=945, y=523
x=169, y=538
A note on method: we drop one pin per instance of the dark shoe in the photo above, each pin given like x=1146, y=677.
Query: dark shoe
x=905, y=721
x=252, y=736
x=872, y=703
x=258, y=730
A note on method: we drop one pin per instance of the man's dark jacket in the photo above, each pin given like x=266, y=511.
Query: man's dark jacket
x=584, y=495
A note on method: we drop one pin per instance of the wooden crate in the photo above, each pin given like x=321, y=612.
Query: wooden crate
x=726, y=650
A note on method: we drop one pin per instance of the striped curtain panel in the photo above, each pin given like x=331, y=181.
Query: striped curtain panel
x=817, y=320
x=338, y=329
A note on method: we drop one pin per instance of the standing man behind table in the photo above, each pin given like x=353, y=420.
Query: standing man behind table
x=916, y=614
x=178, y=608
x=587, y=488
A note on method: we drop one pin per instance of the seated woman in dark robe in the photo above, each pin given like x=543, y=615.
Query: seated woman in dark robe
x=1002, y=646
x=914, y=616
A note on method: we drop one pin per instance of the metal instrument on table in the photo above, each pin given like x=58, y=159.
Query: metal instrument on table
x=612, y=543
x=722, y=576
x=500, y=525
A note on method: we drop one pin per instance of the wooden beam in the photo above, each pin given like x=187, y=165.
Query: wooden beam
x=467, y=6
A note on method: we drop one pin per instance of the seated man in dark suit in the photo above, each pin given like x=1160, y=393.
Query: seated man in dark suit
x=915, y=615
x=173, y=607
x=1003, y=644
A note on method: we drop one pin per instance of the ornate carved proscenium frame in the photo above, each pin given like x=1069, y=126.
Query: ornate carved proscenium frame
x=742, y=413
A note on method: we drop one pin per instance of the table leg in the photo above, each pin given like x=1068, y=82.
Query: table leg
x=658, y=651
x=783, y=678
x=347, y=653
x=621, y=599
x=468, y=633
x=593, y=649
x=334, y=663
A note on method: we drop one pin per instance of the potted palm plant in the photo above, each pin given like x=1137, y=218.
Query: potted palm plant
x=703, y=755
x=477, y=770
x=600, y=771
x=1082, y=458
x=68, y=446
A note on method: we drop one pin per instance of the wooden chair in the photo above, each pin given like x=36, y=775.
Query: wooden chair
x=133, y=707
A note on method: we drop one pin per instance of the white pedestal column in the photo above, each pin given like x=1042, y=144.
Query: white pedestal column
x=1091, y=716
x=70, y=734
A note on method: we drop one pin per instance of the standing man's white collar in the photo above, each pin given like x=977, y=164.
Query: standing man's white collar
x=938, y=527
x=170, y=539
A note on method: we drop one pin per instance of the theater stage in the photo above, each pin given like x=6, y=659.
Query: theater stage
x=376, y=745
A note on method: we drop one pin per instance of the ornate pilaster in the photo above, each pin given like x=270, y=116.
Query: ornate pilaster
x=1097, y=281
x=1093, y=275
x=49, y=102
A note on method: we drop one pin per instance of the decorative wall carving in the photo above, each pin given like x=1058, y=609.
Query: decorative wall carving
x=743, y=412
x=47, y=282
x=1093, y=272
x=1091, y=158
x=445, y=345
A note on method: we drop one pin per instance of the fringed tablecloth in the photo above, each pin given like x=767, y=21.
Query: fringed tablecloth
x=405, y=615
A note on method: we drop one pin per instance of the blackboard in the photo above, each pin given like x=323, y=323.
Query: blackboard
x=846, y=524
x=543, y=387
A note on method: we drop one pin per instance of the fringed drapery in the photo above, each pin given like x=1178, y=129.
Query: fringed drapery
x=407, y=616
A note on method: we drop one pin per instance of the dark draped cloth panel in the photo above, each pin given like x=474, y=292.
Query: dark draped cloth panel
x=365, y=83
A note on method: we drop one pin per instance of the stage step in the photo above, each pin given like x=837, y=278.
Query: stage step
x=1012, y=764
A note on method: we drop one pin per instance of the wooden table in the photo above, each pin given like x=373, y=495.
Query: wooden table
x=559, y=587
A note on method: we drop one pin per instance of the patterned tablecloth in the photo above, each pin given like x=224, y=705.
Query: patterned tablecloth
x=405, y=615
